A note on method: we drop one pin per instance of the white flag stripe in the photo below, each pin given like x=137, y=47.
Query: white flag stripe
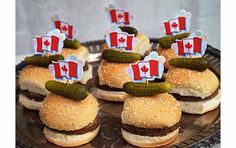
x=174, y=29
x=122, y=36
x=64, y=73
x=44, y=40
x=188, y=50
x=142, y=65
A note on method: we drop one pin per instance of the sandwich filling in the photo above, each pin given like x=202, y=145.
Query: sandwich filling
x=33, y=96
x=86, y=129
x=152, y=132
x=195, y=99
x=105, y=87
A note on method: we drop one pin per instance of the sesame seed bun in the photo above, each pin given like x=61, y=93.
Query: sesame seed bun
x=61, y=113
x=147, y=141
x=113, y=74
x=82, y=53
x=142, y=47
x=157, y=111
x=200, y=107
x=188, y=82
x=168, y=54
x=29, y=103
x=33, y=79
x=116, y=96
x=63, y=140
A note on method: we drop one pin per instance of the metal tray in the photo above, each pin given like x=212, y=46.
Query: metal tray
x=195, y=130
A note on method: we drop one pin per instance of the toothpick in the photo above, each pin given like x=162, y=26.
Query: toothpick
x=146, y=81
x=67, y=82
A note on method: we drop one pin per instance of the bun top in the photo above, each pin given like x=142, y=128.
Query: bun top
x=168, y=54
x=61, y=113
x=34, y=76
x=188, y=82
x=82, y=53
x=113, y=74
x=157, y=111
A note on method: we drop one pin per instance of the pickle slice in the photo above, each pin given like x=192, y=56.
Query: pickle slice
x=166, y=41
x=199, y=64
x=111, y=55
x=144, y=89
x=42, y=61
x=129, y=30
x=72, y=91
x=73, y=44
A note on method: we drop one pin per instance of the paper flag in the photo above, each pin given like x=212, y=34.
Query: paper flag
x=51, y=43
x=193, y=46
x=69, y=69
x=148, y=69
x=178, y=24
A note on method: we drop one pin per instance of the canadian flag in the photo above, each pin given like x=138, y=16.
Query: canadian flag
x=65, y=28
x=175, y=25
x=65, y=69
x=189, y=46
x=119, y=16
x=121, y=40
x=145, y=69
x=47, y=43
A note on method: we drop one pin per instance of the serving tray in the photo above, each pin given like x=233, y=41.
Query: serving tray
x=195, y=130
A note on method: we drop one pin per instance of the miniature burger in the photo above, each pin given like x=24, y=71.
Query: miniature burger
x=150, y=116
x=193, y=84
x=69, y=112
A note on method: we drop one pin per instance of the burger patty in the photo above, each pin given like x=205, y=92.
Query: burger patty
x=86, y=129
x=85, y=67
x=106, y=87
x=33, y=96
x=150, y=131
x=194, y=99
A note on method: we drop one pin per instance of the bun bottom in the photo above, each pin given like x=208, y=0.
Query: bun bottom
x=29, y=104
x=116, y=96
x=200, y=107
x=69, y=140
x=147, y=141
x=88, y=74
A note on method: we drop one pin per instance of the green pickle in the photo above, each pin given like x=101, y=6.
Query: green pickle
x=199, y=64
x=144, y=89
x=42, y=61
x=111, y=55
x=166, y=41
x=72, y=91
x=129, y=30
x=73, y=44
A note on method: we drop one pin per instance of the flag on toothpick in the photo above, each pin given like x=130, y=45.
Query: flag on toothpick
x=148, y=69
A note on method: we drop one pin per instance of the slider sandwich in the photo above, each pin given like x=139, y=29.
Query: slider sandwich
x=32, y=80
x=195, y=86
x=70, y=114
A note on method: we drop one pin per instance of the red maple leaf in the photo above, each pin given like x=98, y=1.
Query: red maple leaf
x=120, y=15
x=144, y=69
x=64, y=68
x=46, y=43
x=121, y=39
x=174, y=25
x=64, y=28
x=188, y=45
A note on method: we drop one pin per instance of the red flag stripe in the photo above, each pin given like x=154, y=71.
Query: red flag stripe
x=70, y=31
x=167, y=28
x=136, y=71
x=39, y=44
x=113, y=38
x=72, y=69
x=180, y=45
x=58, y=25
x=181, y=23
x=197, y=44
x=129, y=42
x=126, y=15
x=57, y=69
x=153, y=67
x=54, y=43
x=113, y=16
